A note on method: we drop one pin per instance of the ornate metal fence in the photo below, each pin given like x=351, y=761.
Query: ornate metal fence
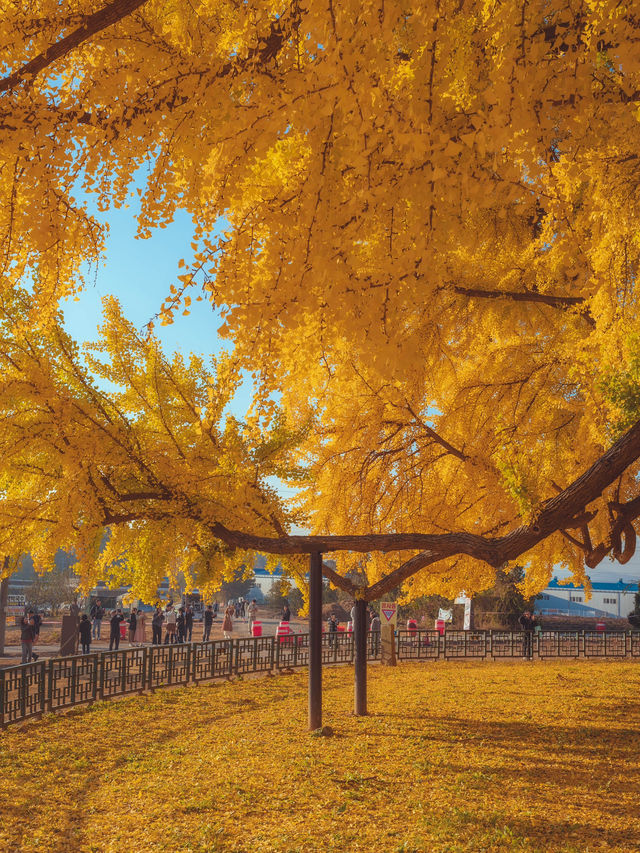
x=50, y=685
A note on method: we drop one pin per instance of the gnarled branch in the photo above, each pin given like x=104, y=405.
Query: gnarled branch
x=92, y=24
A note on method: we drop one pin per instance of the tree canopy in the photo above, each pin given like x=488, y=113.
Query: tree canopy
x=428, y=265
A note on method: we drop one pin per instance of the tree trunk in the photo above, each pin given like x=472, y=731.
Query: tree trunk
x=315, y=641
x=360, y=649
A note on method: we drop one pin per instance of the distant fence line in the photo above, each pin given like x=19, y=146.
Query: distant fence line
x=32, y=689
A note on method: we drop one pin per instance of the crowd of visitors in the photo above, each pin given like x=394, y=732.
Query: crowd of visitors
x=177, y=623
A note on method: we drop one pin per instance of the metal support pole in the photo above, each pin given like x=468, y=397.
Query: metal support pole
x=315, y=641
x=360, y=627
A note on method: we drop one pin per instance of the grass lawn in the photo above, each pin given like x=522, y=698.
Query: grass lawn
x=453, y=757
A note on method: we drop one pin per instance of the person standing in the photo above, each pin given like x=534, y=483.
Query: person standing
x=332, y=627
x=156, y=626
x=97, y=615
x=188, y=623
x=286, y=611
x=37, y=622
x=133, y=621
x=527, y=623
x=140, y=637
x=27, y=636
x=207, y=622
x=227, y=623
x=216, y=608
x=84, y=629
x=170, y=619
x=114, y=632
x=180, y=625
x=375, y=628
x=252, y=612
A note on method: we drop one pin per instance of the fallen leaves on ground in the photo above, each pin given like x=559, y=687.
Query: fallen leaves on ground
x=453, y=757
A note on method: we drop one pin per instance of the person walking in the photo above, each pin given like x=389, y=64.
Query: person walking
x=27, y=636
x=252, y=612
x=114, y=632
x=133, y=621
x=227, y=622
x=156, y=626
x=207, y=622
x=84, y=629
x=97, y=615
x=170, y=620
x=140, y=636
x=188, y=623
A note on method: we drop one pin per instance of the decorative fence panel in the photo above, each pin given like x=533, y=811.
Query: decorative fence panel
x=72, y=681
x=337, y=647
x=32, y=689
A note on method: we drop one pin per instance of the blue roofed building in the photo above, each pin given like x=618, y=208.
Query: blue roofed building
x=608, y=599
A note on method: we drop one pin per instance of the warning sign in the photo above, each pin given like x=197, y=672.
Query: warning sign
x=388, y=613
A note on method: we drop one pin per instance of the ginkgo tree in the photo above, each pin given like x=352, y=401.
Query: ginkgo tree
x=428, y=259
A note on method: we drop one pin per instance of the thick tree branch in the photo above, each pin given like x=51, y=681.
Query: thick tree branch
x=92, y=24
x=555, y=301
x=556, y=513
x=337, y=580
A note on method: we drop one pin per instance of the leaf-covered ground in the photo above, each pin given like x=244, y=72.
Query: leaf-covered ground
x=453, y=757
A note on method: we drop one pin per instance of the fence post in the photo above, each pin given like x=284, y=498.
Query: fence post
x=123, y=669
x=143, y=685
x=2, y=698
x=74, y=675
x=50, y=684
x=23, y=692
x=188, y=666
x=94, y=688
x=102, y=675
x=627, y=644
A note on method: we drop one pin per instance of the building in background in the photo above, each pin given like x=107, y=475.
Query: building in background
x=608, y=599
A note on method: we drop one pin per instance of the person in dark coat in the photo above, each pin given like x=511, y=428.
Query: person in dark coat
x=133, y=621
x=527, y=623
x=97, y=614
x=156, y=626
x=27, y=636
x=332, y=627
x=114, y=635
x=207, y=622
x=286, y=612
x=84, y=629
x=181, y=626
x=188, y=623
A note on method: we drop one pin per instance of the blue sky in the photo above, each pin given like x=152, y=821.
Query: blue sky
x=139, y=273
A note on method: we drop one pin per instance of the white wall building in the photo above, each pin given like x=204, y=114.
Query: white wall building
x=608, y=598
